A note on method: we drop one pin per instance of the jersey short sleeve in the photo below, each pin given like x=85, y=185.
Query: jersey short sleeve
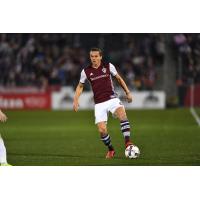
x=83, y=76
x=113, y=70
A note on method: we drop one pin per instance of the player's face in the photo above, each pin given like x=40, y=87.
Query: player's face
x=95, y=57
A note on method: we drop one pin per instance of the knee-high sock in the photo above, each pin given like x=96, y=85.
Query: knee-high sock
x=107, y=141
x=125, y=129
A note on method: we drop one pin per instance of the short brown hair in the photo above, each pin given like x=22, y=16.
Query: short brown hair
x=97, y=49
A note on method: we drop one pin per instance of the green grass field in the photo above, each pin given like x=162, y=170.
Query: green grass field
x=165, y=137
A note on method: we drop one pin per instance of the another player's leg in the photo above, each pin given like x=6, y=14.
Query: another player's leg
x=105, y=138
x=3, y=159
x=120, y=113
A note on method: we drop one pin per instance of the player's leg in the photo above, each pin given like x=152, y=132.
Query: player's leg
x=105, y=137
x=3, y=159
x=101, y=117
x=120, y=113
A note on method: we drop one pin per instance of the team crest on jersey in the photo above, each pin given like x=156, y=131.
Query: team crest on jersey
x=104, y=70
x=91, y=74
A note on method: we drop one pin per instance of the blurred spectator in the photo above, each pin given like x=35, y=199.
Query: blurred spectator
x=43, y=60
x=188, y=62
x=188, y=57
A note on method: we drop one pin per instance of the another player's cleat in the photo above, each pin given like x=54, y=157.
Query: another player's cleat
x=128, y=144
x=5, y=164
x=110, y=154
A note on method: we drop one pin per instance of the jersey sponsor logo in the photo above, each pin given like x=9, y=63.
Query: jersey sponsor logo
x=98, y=77
x=104, y=70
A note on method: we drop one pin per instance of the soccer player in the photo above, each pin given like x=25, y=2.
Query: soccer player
x=3, y=160
x=105, y=98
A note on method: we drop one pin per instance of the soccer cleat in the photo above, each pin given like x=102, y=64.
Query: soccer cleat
x=128, y=144
x=110, y=154
x=5, y=164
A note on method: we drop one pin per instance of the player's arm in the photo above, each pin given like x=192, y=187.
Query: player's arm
x=3, y=117
x=121, y=82
x=124, y=87
x=78, y=92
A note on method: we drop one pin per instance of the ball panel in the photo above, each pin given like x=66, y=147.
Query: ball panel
x=132, y=151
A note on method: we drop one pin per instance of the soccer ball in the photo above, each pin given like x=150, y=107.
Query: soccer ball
x=132, y=151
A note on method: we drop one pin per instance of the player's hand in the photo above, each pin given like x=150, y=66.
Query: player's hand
x=75, y=106
x=3, y=117
x=129, y=97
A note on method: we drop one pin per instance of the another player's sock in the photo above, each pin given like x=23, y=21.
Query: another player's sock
x=125, y=128
x=3, y=159
x=107, y=141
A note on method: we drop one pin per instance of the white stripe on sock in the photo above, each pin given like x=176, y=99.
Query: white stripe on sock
x=105, y=138
x=122, y=123
x=126, y=133
x=125, y=127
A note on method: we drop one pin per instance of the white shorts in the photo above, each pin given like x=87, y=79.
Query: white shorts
x=101, y=110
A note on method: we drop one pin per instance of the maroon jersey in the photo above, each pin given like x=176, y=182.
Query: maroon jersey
x=101, y=81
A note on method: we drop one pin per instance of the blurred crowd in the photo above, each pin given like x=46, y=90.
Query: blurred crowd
x=187, y=56
x=44, y=60
x=187, y=51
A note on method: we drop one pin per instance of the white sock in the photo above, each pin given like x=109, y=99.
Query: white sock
x=2, y=152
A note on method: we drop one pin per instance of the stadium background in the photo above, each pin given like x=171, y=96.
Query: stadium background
x=38, y=74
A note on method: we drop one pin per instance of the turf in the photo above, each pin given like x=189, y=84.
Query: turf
x=47, y=138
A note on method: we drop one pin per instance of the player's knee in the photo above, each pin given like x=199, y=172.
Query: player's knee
x=102, y=129
x=122, y=117
x=121, y=114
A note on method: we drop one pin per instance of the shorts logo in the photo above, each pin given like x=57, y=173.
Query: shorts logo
x=112, y=96
x=104, y=70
